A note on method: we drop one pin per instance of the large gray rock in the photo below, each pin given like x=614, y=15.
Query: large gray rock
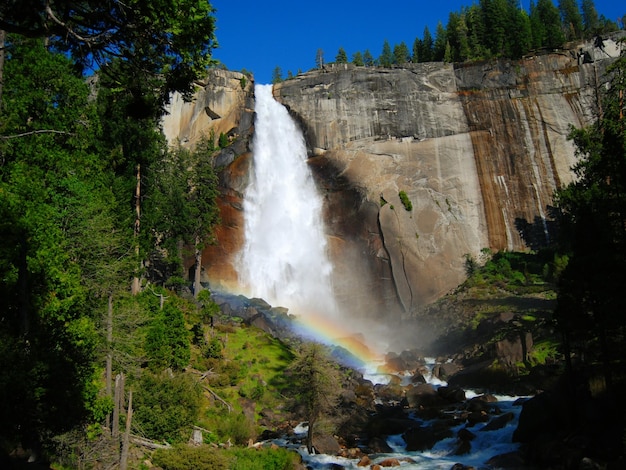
x=479, y=150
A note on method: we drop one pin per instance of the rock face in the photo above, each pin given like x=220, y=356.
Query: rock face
x=222, y=104
x=477, y=150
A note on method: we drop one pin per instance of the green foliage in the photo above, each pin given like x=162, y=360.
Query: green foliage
x=57, y=246
x=513, y=271
x=342, y=57
x=167, y=44
x=386, y=56
x=544, y=352
x=243, y=82
x=167, y=340
x=184, y=457
x=264, y=459
x=223, y=141
x=357, y=59
x=277, y=75
x=317, y=385
x=593, y=222
x=166, y=406
x=406, y=202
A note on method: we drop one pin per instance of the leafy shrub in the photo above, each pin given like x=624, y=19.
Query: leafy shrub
x=183, y=457
x=406, y=202
x=213, y=349
x=263, y=459
x=167, y=406
x=223, y=140
x=167, y=340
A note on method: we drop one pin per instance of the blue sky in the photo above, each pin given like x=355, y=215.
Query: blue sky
x=259, y=35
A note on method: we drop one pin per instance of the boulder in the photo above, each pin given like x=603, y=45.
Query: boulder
x=452, y=394
x=420, y=438
x=326, y=444
x=423, y=395
x=499, y=422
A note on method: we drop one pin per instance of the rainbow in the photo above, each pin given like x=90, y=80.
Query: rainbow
x=335, y=331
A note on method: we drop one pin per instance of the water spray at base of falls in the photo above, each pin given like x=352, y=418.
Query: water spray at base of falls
x=284, y=259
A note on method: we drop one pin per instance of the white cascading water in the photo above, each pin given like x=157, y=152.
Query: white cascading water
x=284, y=259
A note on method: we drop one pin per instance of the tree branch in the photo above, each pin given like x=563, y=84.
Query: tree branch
x=39, y=131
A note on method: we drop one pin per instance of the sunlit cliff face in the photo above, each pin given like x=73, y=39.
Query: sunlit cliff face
x=478, y=149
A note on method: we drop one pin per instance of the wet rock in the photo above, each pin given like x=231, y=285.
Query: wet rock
x=423, y=395
x=390, y=462
x=446, y=370
x=511, y=460
x=326, y=445
x=378, y=445
x=498, y=422
x=452, y=394
x=420, y=438
x=364, y=462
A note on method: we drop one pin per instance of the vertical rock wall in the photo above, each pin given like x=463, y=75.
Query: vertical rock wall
x=479, y=149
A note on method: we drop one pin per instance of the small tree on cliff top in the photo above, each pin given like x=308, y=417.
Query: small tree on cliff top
x=317, y=386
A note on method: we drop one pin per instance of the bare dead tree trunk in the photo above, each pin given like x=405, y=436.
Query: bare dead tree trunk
x=125, y=443
x=135, y=285
x=118, y=403
x=109, y=364
x=198, y=271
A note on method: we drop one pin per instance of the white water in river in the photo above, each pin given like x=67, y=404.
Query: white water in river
x=284, y=259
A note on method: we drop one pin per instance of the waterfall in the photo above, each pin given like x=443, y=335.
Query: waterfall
x=284, y=259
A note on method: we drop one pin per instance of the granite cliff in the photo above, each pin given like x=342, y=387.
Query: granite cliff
x=478, y=149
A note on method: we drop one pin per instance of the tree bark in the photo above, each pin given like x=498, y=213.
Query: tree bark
x=198, y=271
x=109, y=361
x=135, y=285
x=118, y=399
x=125, y=443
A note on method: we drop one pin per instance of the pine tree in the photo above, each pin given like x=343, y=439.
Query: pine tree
x=441, y=41
x=341, y=57
x=571, y=18
x=427, y=49
x=591, y=21
x=317, y=383
x=357, y=59
x=400, y=53
x=277, y=75
x=590, y=302
x=386, y=56
x=546, y=25
x=368, y=59
x=416, y=50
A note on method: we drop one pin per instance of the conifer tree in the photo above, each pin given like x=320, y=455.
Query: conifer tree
x=441, y=40
x=571, y=19
x=400, y=53
x=386, y=56
x=357, y=59
x=368, y=59
x=416, y=50
x=591, y=21
x=427, y=49
x=341, y=57
x=591, y=305
x=317, y=383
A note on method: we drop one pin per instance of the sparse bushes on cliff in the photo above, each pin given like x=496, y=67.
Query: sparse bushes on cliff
x=406, y=202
